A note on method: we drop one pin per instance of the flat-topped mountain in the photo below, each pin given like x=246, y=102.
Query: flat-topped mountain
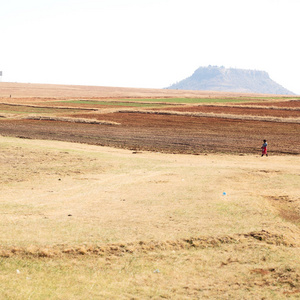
x=215, y=78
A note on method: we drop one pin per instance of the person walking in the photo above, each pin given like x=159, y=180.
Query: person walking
x=264, y=148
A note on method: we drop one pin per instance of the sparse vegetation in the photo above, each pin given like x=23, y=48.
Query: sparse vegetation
x=87, y=222
x=140, y=102
x=110, y=224
x=125, y=103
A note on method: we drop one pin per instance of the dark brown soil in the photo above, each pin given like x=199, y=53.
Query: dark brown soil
x=166, y=133
x=288, y=103
x=173, y=133
x=284, y=113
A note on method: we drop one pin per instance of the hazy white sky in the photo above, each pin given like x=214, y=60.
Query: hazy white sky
x=146, y=43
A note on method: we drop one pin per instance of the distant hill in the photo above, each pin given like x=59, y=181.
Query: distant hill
x=215, y=78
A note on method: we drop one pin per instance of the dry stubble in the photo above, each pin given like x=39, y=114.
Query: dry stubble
x=181, y=234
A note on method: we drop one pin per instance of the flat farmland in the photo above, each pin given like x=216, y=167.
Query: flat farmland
x=194, y=122
x=111, y=193
x=285, y=112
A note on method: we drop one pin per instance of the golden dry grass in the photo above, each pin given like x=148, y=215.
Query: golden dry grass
x=88, y=222
x=25, y=90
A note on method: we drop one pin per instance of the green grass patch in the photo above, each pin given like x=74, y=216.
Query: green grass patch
x=127, y=103
x=193, y=100
x=161, y=102
x=6, y=111
x=148, y=102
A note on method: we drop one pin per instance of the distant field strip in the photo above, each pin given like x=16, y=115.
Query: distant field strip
x=28, y=108
x=157, y=101
x=253, y=107
x=217, y=115
x=72, y=120
x=208, y=100
x=133, y=103
x=193, y=100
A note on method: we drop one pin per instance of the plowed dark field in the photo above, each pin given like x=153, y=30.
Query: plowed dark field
x=164, y=133
x=291, y=103
x=253, y=111
x=178, y=128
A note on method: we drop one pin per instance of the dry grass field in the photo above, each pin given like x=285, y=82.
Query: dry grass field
x=147, y=218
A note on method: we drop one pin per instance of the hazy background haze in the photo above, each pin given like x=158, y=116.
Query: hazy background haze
x=146, y=43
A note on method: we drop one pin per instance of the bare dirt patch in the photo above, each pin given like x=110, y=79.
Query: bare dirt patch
x=288, y=209
x=287, y=103
x=283, y=113
x=163, y=133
